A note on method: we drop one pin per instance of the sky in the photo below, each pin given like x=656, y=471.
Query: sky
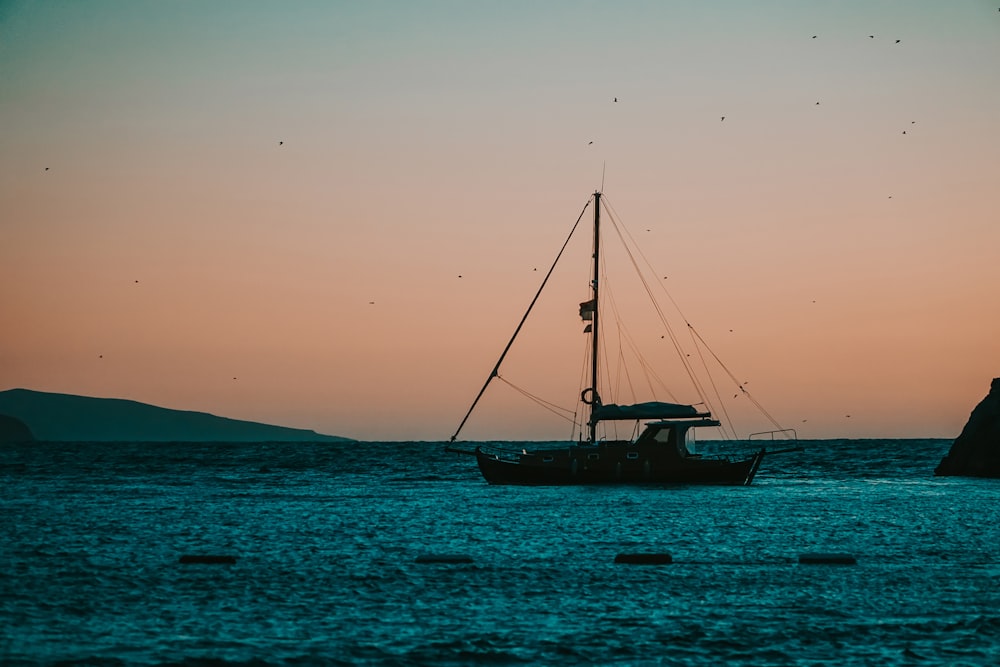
x=261, y=210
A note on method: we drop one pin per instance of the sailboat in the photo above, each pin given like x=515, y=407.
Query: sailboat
x=663, y=450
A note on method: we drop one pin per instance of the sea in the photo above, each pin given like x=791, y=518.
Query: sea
x=327, y=542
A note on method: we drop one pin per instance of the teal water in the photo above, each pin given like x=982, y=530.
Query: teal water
x=326, y=537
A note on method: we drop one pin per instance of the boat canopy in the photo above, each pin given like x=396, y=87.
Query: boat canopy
x=687, y=423
x=651, y=410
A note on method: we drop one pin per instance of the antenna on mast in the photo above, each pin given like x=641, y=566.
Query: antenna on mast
x=604, y=166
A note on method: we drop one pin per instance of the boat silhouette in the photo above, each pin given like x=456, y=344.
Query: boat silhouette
x=663, y=450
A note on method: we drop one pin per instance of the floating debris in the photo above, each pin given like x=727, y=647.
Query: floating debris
x=190, y=559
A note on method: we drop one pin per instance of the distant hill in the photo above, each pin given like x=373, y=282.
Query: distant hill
x=68, y=418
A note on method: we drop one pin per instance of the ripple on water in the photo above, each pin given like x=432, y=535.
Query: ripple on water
x=326, y=573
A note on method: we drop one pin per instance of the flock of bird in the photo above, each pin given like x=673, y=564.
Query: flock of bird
x=723, y=118
x=615, y=100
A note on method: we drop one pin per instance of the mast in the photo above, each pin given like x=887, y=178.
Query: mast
x=594, y=324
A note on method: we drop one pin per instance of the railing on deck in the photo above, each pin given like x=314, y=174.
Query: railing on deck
x=794, y=436
x=789, y=436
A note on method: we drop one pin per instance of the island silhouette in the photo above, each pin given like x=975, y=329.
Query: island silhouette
x=52, y=417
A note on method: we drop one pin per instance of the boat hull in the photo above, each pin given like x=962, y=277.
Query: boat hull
x=613, y=463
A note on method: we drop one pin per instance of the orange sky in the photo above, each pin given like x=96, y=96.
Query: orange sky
x=157, y=242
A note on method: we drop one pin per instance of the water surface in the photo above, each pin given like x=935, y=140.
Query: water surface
x=326, y=537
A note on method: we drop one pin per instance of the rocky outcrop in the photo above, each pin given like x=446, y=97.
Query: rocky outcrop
x=14, y=430
x=976, y=451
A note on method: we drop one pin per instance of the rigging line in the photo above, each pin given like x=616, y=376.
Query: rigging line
x=715, y=388
x=625, y=337
x=624, y=372
x=614, y=379
x=623, y=232
x=763, y=411
x=622, y=367
x=612, y=214
x=496, y=368
x=695, y=380
x=692, y=376
x=690, y=370
x=647, y=369
x=551, y=407
x=648, y=372
x=711, y=379
x=628, y=376
x=621, y=371
x=735, y=381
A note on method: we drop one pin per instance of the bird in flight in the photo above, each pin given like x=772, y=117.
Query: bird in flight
x=281, y=143
x=722, y=119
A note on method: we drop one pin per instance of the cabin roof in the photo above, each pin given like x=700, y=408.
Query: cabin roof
x=687, y=423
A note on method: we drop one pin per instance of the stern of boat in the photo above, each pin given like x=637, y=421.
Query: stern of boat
x=754, y=465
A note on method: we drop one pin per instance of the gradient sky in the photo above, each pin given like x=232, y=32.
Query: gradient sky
x=157, y=242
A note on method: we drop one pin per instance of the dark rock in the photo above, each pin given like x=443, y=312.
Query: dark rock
x=14, y=430
x=976, y=451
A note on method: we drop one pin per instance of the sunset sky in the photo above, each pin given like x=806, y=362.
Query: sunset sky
x=199, y=202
